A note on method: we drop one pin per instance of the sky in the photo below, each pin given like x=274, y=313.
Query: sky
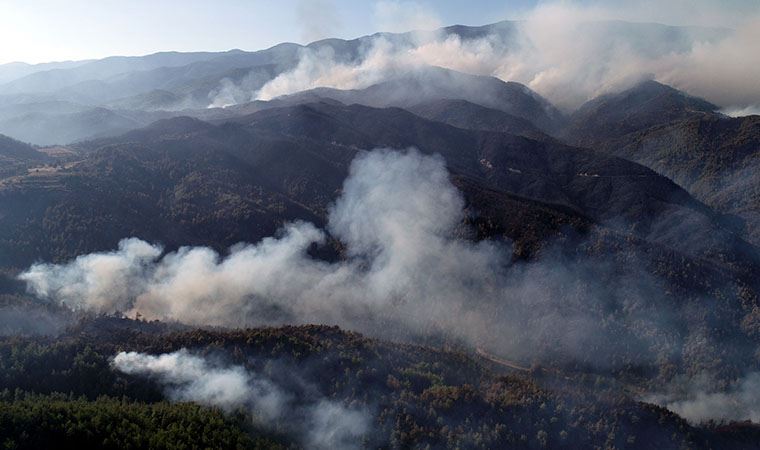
x=37, y=31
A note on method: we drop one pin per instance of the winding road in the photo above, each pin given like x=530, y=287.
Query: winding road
x=502, y=362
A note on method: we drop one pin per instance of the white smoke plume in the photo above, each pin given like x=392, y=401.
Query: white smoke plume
x=567, y=53
x=751, y=110
x=405, y=274
x=696, y=402
x=322, y=423
x=101, y=281
x=226, y=94
x=230, y=92
x=192, y=379
x=396, y=217
x=320, y=68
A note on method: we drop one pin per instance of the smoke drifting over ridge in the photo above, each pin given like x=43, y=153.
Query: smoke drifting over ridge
x=319, y=422
x=566, y=53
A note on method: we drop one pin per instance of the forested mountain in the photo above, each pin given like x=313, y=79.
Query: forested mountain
x=435, y=83
x=173, y=82
x=17, y=156
x=472, y=116
x=302, y=153
x=712, y=156
x=610, y=118
x=415, y=396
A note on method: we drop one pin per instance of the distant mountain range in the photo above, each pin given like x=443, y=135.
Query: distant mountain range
x=136, y=87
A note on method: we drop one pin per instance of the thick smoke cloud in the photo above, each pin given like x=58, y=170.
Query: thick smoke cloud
x=321, y=423
x=568, y=54
x=405, y=274
x=101, y=281
x=396, y=217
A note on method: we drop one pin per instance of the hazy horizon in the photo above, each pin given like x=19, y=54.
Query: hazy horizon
x=44, y=31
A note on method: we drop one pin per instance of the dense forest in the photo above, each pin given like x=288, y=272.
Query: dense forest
x=66, y=388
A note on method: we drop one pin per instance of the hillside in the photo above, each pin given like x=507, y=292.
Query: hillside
x=609, y=118
x=186, y=182
x=413, y=396
x=464, y=114
x=50, y=129
x=712, y=156
x=16, y=156
x=435, y=83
